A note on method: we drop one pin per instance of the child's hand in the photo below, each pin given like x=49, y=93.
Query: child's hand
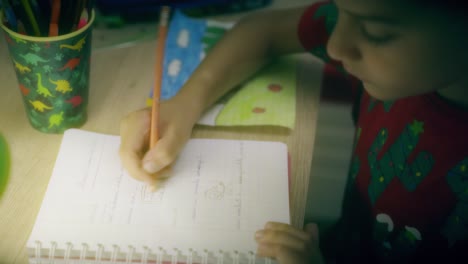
x=149, y=165
x=289, y=245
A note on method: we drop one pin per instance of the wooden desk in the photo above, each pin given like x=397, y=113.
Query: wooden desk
x=120, y=81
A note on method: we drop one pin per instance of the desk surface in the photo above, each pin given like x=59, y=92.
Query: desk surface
x=120, y=81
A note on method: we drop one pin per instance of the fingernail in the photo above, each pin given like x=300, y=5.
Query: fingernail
x=151, y=167
x=259, y=234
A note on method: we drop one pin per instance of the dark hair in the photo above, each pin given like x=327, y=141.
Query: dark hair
x=453, y=12
x=448, y=6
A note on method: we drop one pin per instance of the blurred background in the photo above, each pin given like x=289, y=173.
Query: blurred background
x=123, y=23
x=135, y=19
x=135, y=10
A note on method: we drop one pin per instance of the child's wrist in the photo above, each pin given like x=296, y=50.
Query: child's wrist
x=191, y=103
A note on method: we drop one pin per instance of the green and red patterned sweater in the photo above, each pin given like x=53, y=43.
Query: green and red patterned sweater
x=407, y=195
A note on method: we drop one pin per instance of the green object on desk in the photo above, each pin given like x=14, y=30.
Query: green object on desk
x=4, y=164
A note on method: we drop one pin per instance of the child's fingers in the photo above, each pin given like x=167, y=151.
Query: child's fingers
x=288, y=244
x=291, y=256
x=164, y=152
x=276, y=251
x=134, y=137
x=159, y=178
x=280, y=240
x=157, y=158
x=131, y=162
x=134, y=131
x=276, y=240
x=285, y=228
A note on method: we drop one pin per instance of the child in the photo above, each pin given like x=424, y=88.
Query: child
x=405, y=61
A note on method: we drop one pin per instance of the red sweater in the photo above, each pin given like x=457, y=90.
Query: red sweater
x=407, y=194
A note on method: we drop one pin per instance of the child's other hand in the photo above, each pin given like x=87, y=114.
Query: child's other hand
x=289, y=245
x=149, y=165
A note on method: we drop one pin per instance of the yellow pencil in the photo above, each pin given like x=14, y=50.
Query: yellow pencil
x=161, y=41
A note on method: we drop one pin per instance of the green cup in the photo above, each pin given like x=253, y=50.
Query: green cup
x=53, y=76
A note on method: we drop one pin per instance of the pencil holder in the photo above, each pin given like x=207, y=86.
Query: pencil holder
x=53, y=76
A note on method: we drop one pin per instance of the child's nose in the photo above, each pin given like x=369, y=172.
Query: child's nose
x=341, y=45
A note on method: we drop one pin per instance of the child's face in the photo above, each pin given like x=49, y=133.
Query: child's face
x=398, y=49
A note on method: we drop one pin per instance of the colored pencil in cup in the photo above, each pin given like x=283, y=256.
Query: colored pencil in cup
x=31, y=16
x=54, y=20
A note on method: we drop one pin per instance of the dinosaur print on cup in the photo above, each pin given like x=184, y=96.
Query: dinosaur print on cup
x=39, y=106
x=32, y=59
x=21, y=68
x=78, y=46
x=71, y=64
x=53, y=77
x=62, y=86
x=41, y=89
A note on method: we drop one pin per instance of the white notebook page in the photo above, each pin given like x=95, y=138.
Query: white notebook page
x=220, y=193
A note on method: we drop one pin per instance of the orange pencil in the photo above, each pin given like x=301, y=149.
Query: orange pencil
x=54, y=20
x=161, y=42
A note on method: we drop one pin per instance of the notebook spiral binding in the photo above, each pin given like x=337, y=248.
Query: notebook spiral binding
x=83, y=254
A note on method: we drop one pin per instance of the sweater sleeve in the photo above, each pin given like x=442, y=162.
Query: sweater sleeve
x=314, y=30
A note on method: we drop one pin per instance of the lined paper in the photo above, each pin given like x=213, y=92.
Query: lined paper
x=219, y=194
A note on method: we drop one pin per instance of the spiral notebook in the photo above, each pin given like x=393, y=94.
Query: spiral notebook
x=220, y=193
